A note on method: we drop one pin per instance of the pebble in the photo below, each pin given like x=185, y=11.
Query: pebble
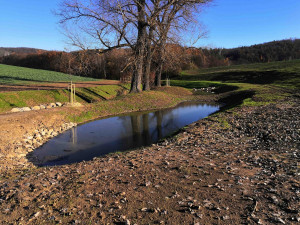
x=37, y=214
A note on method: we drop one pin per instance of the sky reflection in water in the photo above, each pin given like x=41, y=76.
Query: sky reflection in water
x=118, y=133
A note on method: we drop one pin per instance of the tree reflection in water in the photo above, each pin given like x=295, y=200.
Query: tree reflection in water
x=119, y=133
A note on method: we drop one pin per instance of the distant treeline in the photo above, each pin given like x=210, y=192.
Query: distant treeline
x=268, y=52
x=83, y=63
x=116, y=64
x=9, y=51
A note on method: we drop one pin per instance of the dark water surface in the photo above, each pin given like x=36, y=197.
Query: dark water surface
x=118, y=133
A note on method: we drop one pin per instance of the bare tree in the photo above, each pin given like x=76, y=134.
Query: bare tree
x=139, y=48
x=176, y=19
x=142, y=25
x=148, y=59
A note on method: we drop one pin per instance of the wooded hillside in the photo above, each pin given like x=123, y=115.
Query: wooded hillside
x=115, y=64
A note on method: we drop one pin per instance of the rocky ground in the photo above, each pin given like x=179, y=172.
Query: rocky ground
x=237, y=167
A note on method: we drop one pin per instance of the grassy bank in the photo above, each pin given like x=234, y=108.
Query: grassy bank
x=150, y=100
x=9, y=100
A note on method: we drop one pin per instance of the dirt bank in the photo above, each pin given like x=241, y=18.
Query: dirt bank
x=240, y=166
x=15, y=128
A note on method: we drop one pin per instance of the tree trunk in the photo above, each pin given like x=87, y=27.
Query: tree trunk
x=158, y=75
x=139, y=49
x=159, y=68
x=104, y=66
x=148, y=60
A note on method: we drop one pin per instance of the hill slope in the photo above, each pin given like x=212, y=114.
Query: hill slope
x=20, y=50
x=284, y=74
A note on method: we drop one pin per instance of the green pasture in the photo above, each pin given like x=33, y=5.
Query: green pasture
x=21, y=75
x=269, y=82
x=282, y=74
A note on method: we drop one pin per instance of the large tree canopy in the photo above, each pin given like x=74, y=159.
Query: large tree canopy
x=144, y=26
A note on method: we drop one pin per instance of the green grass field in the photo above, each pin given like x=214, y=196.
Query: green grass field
x=21, y=75
x=269, y=82
x=14, y=75
x=282, y=74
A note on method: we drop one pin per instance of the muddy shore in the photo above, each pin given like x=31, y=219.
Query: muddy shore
x=241, y=171
x=22, y=132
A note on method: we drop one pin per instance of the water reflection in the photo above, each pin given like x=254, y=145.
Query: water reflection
x=74, y=135
x=118, y=133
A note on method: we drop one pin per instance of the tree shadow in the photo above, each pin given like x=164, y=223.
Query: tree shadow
x=234, y=99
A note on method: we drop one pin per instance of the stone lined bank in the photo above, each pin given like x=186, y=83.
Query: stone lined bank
x=38, y=138
x=38, y=107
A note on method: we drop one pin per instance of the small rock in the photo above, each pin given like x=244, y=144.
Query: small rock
x=28, y=146
x=35, y=108
x=52, y=218
x=199, y=215
x=29, y=137
x=16, y=110
x=225, y=217
x=37, y=214
x=164, y=212
x=275, y=200
x=280, y=220
x=26, y=109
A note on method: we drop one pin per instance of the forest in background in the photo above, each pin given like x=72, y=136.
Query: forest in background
x=115, y=64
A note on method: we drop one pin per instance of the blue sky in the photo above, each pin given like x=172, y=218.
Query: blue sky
x=233, y=23
x=230, y=23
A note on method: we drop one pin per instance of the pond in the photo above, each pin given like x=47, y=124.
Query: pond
x=119, y=133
